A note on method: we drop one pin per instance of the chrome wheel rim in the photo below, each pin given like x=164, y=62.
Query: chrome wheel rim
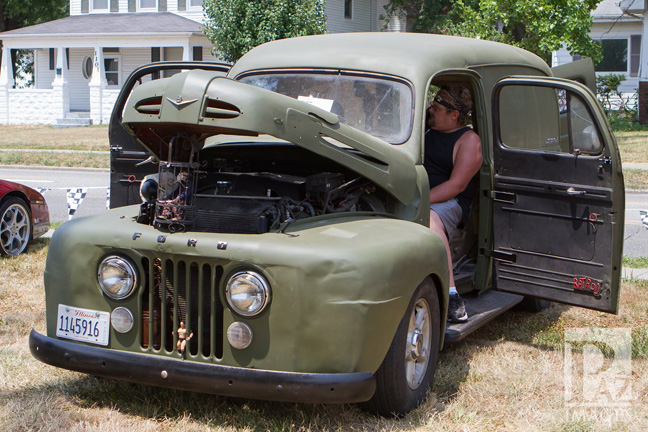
x=417, y=351
x=14, y=229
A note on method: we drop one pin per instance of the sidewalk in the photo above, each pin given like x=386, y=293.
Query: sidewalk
x=634, y=273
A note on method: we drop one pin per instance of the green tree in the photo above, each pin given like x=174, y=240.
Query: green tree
x=237, y=26
x=540, y=26
x=16, y=14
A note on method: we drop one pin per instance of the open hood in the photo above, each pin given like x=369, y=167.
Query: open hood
x=198, y=104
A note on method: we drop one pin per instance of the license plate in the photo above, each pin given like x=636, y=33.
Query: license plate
x=83, y=325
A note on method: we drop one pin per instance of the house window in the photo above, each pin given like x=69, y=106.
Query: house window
x=197, y=53
x=52, y=59
x=111, y=65
x=86, y=67
x=148, y=4
x=196, y=3
x=615, y=56
x=348, y=9
x=99, y=5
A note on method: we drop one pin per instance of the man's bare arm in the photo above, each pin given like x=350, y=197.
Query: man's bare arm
x=467, y=161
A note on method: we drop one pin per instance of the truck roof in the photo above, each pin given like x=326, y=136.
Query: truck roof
x=413, y=56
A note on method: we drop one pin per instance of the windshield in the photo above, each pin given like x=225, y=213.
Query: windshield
x=377, y=105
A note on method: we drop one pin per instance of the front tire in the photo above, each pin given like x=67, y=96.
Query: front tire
x=15, y=227
x=407, y=372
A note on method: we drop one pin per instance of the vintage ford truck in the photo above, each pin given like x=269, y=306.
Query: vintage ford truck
x=269, y=238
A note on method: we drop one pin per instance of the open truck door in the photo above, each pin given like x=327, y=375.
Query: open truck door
x=558, y=194
x=129, y=161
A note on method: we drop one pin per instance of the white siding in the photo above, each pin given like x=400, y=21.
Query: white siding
x=75, y=7
x=396, y=24
x=77, y=84
x=43, y=76
x=361, y=18
x=193, y=12
x=131, y=59
x=207, y=55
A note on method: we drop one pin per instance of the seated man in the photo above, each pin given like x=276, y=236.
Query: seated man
x=452, y=158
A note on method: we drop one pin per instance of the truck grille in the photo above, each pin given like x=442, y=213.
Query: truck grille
x=177, y=290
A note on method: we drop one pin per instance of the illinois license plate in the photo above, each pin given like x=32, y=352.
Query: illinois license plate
x=83, y=325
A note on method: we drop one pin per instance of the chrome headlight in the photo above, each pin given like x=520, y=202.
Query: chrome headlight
x=247, y=293
x=117, y=277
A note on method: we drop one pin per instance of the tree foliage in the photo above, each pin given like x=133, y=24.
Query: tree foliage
x=16, y=14
x=237, y=26
x=540, y=26
x=21, y=13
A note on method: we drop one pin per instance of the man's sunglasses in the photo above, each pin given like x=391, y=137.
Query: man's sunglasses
x=438, y=99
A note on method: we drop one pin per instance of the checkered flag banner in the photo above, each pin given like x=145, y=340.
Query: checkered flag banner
x=74, y=198
x=108, y=198
x=644, y=217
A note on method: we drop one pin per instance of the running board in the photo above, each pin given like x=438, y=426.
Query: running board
x=481, y=310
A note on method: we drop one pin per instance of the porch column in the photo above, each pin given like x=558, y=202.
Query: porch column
x=97, y=85
x=642, y=103
x=186, y=52
x=60, y=84
x=6, y=83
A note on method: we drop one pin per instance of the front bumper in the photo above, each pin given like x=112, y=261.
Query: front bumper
x=202, y=377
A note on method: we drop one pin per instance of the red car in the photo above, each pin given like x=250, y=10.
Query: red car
x=23, y=217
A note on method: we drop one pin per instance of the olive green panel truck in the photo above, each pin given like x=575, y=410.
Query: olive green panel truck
x=269, y=237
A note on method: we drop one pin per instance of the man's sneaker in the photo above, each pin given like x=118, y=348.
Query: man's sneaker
x=457, y=309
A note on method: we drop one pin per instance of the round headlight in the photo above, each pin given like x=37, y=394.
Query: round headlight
x=247, y=293
x=116, y=277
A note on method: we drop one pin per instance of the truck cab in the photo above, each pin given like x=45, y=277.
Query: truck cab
x=279, y=211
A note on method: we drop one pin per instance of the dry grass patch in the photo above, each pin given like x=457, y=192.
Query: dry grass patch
x=508, y=376
x=36, y=158
x=635, y=179
x=632, y=146
x=93, y=138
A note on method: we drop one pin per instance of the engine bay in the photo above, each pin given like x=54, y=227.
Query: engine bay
x=251, y=188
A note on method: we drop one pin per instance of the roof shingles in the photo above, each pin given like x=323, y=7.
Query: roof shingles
x=103, y=24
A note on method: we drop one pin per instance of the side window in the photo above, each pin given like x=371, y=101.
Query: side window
x=546, y=119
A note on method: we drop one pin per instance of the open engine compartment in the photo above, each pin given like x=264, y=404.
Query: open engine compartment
x=252, y=188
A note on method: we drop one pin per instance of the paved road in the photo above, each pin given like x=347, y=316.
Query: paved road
x=636, y=235
x=58, y=181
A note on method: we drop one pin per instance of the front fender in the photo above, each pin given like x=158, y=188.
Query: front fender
x=340, y=286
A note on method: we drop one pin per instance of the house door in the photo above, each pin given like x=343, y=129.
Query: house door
x=558, y=198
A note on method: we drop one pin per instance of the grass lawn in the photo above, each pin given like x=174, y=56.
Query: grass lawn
x=508, y=376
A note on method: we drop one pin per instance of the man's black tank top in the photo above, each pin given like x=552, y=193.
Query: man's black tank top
x=438, y=163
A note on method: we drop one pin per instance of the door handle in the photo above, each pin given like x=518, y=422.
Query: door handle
x=572, y=192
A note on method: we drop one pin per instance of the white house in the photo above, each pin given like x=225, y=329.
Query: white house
x=619, y=25
x=81, y=61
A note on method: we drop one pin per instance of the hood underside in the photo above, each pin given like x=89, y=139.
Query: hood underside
x=195, y=105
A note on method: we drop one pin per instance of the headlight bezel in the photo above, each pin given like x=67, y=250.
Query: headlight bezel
x=120, y=262
x=261, y=282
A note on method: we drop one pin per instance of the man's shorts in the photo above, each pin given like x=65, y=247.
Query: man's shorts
x=450, y=214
